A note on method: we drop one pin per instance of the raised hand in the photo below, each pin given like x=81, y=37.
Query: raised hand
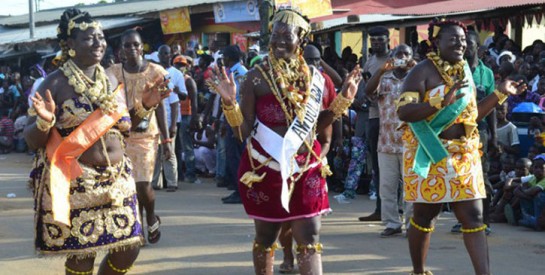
x=451, y=96
x=45, y=108
x=388, y=65
x=154, y=92
x=350, y=86
x=511, y=87
x=224, y=86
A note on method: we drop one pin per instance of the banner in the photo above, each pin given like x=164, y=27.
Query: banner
x=240, y=11
x=175, y=21
x=310, y=8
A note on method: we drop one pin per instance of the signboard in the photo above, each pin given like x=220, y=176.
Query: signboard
x=175, y=21
x=240, y=11
x=310, y=8
x=240, y=40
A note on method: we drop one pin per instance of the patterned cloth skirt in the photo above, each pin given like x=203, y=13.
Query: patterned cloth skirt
x=104, y=212
x=458, y=177
x=262, y=200
x=142, y=151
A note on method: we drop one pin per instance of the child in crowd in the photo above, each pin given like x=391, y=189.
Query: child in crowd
x=6, y=132
x=205, y=151
x=535, y=127
x=506, y=133
x=531, y=195
x=504, y=201
x=19, y=125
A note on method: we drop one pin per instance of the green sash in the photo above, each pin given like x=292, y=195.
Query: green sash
x=430, y=149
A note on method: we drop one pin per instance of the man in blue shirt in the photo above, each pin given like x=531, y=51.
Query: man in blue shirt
x=233, y=146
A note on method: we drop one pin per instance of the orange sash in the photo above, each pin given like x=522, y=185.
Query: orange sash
x=63, y=155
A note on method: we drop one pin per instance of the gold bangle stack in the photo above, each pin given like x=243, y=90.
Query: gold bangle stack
x=501, y=96
x=232, y=114
x=44, y=125
x=340, y=105
x=436, y=102
x=142, y=112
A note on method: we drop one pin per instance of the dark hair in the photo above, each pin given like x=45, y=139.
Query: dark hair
x=71, y=14
x=442, y=24
x=474, y=34
x=232, y=52
x=208, y=59
x=130, y=32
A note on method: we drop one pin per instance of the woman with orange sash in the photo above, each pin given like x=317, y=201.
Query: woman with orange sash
x=281, y=112
x=441, y=159
x=85, y=196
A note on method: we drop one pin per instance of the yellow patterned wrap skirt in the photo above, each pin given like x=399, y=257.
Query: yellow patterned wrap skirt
x=458, y=177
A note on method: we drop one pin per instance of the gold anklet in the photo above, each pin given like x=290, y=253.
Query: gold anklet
x=474, y=230
x=318, y=248
x=78, y=272
x=117, y=269
x=272, y=248
x=421, y=228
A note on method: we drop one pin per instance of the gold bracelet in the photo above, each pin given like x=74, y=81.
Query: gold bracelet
x=233, y=114
x=142, y=112
x=339, y=105
x=407, y=98
x=501, y=96
x=44, y=125
x=31, y=111
x=436, y=102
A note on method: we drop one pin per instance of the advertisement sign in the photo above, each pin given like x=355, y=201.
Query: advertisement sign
x=175, y=21
x=240, y=40
x=310, y=8
x=240, y=11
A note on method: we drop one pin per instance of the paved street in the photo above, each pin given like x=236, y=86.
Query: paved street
x=202, y=236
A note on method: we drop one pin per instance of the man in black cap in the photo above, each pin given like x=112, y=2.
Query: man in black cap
x=379, y=37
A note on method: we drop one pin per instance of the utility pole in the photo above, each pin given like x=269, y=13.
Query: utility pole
x=31, y=17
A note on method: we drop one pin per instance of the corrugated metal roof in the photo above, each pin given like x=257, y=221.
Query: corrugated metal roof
x=113, y=9
x=419, y=7
x=21, y=35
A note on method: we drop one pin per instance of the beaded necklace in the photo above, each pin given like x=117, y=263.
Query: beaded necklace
x=98, y=91
x=447, y=70
x=292, y=77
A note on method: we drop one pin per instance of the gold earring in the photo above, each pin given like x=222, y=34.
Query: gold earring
x=71, y=53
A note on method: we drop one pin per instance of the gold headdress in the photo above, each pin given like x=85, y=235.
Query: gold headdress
x=82, y=26
x=291, y=17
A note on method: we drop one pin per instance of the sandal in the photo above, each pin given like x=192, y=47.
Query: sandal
x=286, y=268
x=153, y=231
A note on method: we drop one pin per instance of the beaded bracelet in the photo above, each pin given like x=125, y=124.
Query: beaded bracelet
x=44, y=125
x=339, y=105
x=143, y=112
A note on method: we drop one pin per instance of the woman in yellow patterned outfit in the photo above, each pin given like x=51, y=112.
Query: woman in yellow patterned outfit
x=441, y=144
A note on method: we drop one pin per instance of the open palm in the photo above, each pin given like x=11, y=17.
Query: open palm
x=350, y=86
x=45, y=108
x=224, y=86
x=155, y=92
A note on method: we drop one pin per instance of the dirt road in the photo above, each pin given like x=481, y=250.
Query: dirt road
x=202, y=236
